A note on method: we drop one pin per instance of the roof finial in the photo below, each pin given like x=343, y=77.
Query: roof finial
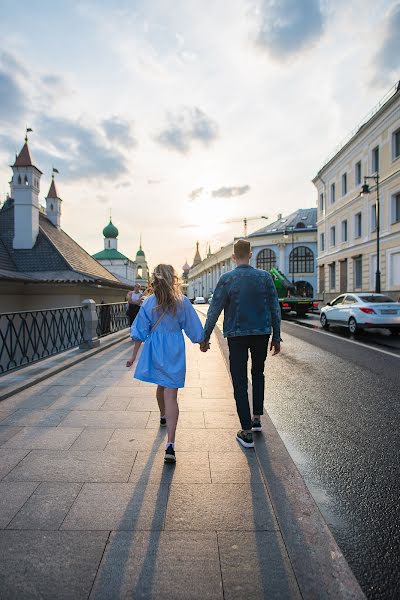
x=28, y=129
x=54, y=170
x=140, y=241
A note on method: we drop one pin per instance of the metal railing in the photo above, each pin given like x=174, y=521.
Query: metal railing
x=26, y=337
x=29, y=336
x=111, y=318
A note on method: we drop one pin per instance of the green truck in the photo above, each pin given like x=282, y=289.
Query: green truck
x=287, y=295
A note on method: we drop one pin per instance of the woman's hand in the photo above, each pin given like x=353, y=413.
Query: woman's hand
x=130, y=362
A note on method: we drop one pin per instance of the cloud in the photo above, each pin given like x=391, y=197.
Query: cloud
x=387, y=59
x=230, y=192
x=289, y=26
x=118, y=130
x=153, y=181
x=78, y=151
x=12, y=105
x=194, y=194
x=189, y=125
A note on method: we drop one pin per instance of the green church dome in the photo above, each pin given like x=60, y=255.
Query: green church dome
x=140, y=252
x=110, y=231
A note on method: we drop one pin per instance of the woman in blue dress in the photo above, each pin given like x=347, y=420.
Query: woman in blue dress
x=159, y=324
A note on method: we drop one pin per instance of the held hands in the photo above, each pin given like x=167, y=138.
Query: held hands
x=205, y=345
x=275, y=347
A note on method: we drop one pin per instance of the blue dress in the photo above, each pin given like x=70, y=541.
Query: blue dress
x=163, y=357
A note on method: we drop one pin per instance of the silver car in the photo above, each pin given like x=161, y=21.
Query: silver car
x=362, y=311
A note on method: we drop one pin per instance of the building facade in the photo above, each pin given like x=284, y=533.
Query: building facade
x=290, y=244
x=126, y=270
x=347, y=220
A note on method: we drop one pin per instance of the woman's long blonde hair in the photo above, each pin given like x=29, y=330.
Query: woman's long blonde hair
x=166, y=287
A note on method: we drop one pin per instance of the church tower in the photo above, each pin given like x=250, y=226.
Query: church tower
x=141, y=263
x=110, y=233
x=53, y=205
x=197, y=257
x=25, y=188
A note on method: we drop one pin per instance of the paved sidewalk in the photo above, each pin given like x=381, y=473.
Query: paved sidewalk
x=88, y=508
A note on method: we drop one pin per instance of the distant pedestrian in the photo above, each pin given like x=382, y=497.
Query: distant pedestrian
x=134, y=299
x=159, y=325
x=251, y=313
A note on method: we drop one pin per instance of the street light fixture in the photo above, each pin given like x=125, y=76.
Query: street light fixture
x=286, y=235
x=364, y=191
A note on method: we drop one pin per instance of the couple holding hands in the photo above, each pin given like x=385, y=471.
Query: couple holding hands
x=251, y=314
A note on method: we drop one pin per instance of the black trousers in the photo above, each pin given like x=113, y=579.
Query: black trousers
x=238, y=356
x=133, y=310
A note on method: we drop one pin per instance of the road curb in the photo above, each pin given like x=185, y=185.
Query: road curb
x=321, y=570
x=22, y=379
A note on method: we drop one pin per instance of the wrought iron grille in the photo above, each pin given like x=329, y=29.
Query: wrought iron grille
x=26, y=337
x=111, y=318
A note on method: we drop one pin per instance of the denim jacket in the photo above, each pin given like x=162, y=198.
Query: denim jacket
x=250, y=303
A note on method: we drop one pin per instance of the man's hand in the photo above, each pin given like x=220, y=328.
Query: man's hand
x=275, y=347
x=205, y=345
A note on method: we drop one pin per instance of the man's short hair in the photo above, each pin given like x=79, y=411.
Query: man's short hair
x=241, y=249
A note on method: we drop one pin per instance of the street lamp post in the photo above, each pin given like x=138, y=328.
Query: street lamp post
x=364, y=191
x=285, y=235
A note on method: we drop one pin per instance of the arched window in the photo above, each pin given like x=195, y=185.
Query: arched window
x=139, y=272
x=266, y=259
x=301, y=260
x=51, y=207
x=26, y=180
x=304, y=289
x=109, y=243
x=300, y=225
x=19, y=179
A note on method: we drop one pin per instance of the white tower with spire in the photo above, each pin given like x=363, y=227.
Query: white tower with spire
x=53, y=205
x=25, y=188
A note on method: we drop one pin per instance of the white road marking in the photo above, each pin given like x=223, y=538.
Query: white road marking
x=344, y=339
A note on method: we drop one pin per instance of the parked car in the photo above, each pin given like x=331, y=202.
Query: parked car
x=199, y=300
x=362, y=311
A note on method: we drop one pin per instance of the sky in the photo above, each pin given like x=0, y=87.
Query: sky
x=177, y=116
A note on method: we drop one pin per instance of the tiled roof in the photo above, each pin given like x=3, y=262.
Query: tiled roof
x=304, y=218
x=54, y=257
x=110, y=254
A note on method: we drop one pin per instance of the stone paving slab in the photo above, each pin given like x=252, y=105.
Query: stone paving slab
x=73, y=466
x=49, y=564
x=187, y=420
x=9, y=459
x=77, y=403
x=128, y=506
x=256, y=565
x=40, y=418
x=191, y=467
x=47, y=507
x=221, y=420
x=160, y=565
x=92, y=439
x=13, y=496
x=224, y=507
x=96, y=418
x=44, y=438
x=234, y=467
x=7, y=432
x=187, y=440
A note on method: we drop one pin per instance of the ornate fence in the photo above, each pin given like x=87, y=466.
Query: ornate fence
x=111, y=318
x=26, y=337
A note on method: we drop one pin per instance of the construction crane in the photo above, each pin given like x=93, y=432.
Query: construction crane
x=244, y=220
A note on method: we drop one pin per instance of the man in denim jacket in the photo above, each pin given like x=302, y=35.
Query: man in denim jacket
x=251, y=313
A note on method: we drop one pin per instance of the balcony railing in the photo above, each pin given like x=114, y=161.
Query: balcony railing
x=29, y=336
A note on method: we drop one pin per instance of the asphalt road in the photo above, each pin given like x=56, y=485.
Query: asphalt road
x=336, y=404
x=335, y=401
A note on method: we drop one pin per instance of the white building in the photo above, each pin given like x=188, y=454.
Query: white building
x=347, y=220
x=126, y=270
x=289, y=243
x=40, y=265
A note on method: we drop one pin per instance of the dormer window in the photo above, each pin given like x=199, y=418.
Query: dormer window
x=300, y=225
